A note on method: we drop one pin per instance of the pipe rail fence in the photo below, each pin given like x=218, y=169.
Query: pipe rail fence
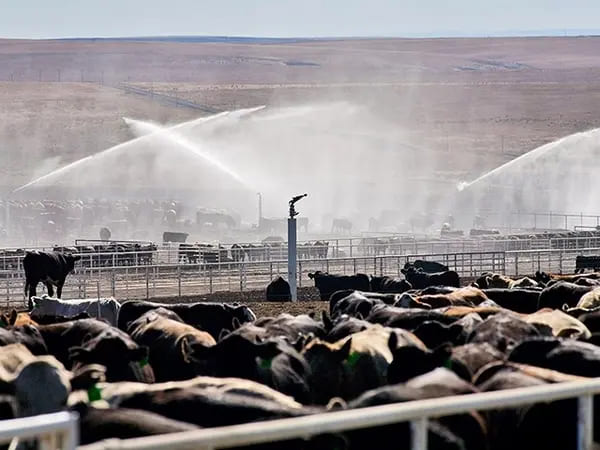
x=418, y=413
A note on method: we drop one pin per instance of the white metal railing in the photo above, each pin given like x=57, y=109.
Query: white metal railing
x=181, y=279
x=56, y=431
x=417, y=412
x=176, y=280
x=11, y=259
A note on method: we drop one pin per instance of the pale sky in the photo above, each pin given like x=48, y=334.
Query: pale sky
x=292, y=18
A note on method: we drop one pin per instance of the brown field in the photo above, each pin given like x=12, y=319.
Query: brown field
x=491, y=99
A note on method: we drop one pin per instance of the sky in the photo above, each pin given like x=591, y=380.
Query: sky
x=294, y=18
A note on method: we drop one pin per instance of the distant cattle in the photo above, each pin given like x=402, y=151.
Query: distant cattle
x=101, y=308
x=341, y=226
x=49, y=268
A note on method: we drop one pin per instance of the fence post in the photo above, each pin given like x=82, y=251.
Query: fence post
x=560, y=262
x=419, y=436
x=98, y=287
x=113, y=283
x=354, y=265
x=585, y=418
x=516, y=264
x=375, y=265
x=147, y=283
x=210, y=280
x=299, y=273
x=179, y=280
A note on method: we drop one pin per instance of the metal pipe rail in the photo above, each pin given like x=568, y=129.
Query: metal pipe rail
x=60, y=429
x=417, y=412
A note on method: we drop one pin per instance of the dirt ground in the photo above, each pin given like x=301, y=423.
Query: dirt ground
x=308, y=302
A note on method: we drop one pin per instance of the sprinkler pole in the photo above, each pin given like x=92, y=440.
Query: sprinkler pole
x=292, y=250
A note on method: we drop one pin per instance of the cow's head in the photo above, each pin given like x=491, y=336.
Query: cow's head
x=327, y=363
x=123, y=358
x=71, y=259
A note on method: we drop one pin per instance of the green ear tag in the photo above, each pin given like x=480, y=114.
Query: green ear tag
x=143, y=362
x=94, y=394
x=266, y=363
x=353, y=359
x=448, y=364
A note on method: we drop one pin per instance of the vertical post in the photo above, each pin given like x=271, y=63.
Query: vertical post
x=113, y=283
x=179, y=280
x=292, y=258
x=147, y=283
x=419, y=436
x=585, y=419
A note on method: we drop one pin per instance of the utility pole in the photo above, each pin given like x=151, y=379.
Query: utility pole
x=292, y=250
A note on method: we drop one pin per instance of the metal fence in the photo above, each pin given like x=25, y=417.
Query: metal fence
x=174, y=280
x=177, y=280
x=53, y=431
x=213, y=254
x=417, y=412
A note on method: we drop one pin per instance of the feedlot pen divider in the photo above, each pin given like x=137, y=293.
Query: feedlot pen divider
x=177, y=280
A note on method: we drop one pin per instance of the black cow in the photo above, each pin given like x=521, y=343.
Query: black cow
x=210, y=317
x=426, y=266
x=560, y=293
x=390, y=284
x=519, y=300
x=421, y=280
x=278, y=290
x=328, y=284
x=50, y=268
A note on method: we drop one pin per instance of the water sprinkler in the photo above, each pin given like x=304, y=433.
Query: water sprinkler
x=292, y=202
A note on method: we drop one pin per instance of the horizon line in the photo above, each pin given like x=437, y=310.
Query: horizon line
x=573, y=32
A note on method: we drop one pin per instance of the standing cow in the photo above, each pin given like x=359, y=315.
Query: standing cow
x=51, y=268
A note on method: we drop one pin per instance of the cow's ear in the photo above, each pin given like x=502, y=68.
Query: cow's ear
x=403, y=271
x=267, y=350
x=326, y=321
x=13, y=317
x=224, y=332
x=311, y=275
x=344, y=352
x=235, y=323
x=190, y=351
x=393, y=342
x=76, y=257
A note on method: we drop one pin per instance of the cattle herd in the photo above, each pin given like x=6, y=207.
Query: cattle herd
x=137, y=368
x=52, y=219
